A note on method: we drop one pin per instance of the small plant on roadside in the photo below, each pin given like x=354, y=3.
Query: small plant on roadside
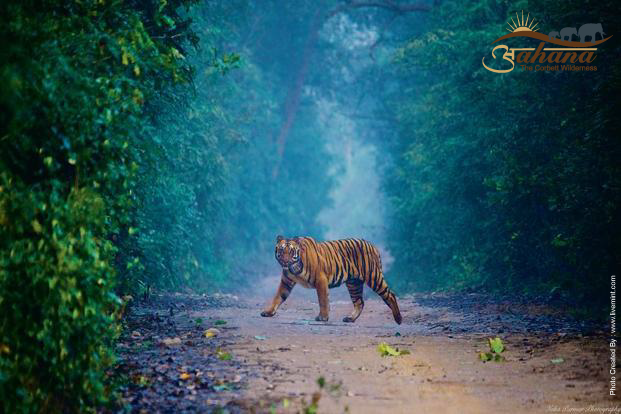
x=334, y=389
x=223, y=356
x=496, y=348
x=313, y=407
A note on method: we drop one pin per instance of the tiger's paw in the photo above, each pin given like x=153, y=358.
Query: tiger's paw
x=267, y=314
x=349, y=319
x=321, y=318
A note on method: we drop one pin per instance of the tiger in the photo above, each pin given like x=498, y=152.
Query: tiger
x=325, y=265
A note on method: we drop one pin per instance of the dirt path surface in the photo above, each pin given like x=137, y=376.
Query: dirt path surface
x=254, y=364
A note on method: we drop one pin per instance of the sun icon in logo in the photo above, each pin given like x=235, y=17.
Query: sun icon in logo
x=522, y=25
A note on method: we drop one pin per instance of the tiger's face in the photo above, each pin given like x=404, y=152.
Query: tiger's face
x=287, y=254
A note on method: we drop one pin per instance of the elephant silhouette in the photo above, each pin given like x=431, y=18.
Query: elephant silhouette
x=590, y=30
x=568, y=32
x=553, y=35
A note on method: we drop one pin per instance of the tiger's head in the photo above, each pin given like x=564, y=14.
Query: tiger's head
x=287, y=254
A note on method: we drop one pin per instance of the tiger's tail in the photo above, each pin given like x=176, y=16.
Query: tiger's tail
x=394, y=306
x=381, y=288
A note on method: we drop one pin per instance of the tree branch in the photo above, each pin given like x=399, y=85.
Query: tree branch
x=295, y=91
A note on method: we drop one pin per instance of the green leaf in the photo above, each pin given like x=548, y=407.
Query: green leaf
x=496, y=348
x=557, y=360
x=387, y=350
x=496, y=345
x=224, y=356
x=321, y=381
x=36, y=226
x=219, y=322
x=125, y=58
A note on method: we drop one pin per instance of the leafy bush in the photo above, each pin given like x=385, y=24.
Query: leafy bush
x=56, y=298
x=77, y=76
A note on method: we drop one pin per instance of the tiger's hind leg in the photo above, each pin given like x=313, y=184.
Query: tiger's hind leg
x=380, y=287
x=355, y=292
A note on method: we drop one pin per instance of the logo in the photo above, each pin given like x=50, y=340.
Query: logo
x=574, y=55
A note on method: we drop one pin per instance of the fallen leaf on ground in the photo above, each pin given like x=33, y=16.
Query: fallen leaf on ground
x=184, y=376
x=223, y=356
x=219, y=322
x=171, y=341
x=211, y=332
x=387, y=350
x=161, y=368
x=141, y=380
x=223, y=387
x=557, y=360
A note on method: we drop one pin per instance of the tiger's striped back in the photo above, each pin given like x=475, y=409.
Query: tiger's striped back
x=350, y=259
x=353, y=262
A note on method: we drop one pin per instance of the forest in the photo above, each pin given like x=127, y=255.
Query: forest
x=157, y=146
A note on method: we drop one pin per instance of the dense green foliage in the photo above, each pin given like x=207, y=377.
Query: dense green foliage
x=75, y=79
x=506, y=182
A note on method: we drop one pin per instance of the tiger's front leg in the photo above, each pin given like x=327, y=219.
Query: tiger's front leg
x=284, y=289
x=321, y=284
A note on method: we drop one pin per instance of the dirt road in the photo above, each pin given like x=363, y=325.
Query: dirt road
x=552, y=363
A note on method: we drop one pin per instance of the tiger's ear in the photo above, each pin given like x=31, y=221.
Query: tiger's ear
x=279, y=238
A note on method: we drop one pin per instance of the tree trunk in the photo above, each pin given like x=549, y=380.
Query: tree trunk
x=294, y=94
